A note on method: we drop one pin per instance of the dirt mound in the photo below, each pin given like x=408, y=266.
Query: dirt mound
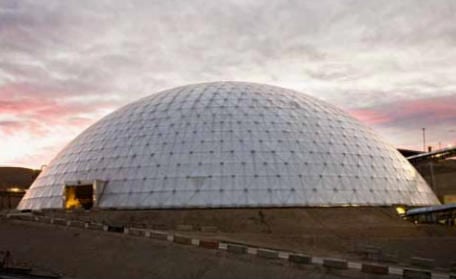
x=17, y=177
x=342, y=221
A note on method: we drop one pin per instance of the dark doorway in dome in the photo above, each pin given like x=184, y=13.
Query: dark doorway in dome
x=78, y=196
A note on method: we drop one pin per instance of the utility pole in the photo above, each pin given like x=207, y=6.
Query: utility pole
x=424, y=139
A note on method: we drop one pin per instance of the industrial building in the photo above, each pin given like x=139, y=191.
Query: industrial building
x=438, y=168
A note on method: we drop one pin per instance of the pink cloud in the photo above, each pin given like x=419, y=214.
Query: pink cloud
x=411, y=112
x=402, y=122
x=46, y=104
x=370, y=116
x=9, y=126
x=34, y=124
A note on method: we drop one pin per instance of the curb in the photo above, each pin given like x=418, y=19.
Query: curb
x=374, y=269
x=335, y=264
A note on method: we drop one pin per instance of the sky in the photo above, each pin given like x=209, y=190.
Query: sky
x=66, y=64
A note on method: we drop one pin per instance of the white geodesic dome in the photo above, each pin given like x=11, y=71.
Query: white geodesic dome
x=231, y=144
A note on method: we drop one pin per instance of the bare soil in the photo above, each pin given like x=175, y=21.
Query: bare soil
x=330, y=232
x=320, y=231
x=78, y=253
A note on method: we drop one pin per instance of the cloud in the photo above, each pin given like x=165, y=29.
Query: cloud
x=63, y=65
x=34, y=124
x=404, y=120
x=415, y=113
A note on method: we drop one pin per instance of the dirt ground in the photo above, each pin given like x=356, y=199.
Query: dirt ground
x=77, y=253
x=374, y=221
x=318, y=231
x=329, y=232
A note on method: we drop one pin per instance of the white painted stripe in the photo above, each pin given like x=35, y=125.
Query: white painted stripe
x=252, y=251
x=317, y=260
x=223, y=246
x=284, y=255
x=170, y=237
x=395, y=270
x=354, y=265
x=195, y=242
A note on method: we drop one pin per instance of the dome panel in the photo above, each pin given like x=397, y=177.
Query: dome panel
x=230, y=144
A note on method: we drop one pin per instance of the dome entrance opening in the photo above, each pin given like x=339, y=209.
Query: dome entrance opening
x=78, y=196
x=84, y=194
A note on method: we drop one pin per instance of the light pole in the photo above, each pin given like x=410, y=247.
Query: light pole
x=424, y=139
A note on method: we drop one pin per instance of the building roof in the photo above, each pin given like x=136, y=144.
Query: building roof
x=431, y=209
x=440, y=154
